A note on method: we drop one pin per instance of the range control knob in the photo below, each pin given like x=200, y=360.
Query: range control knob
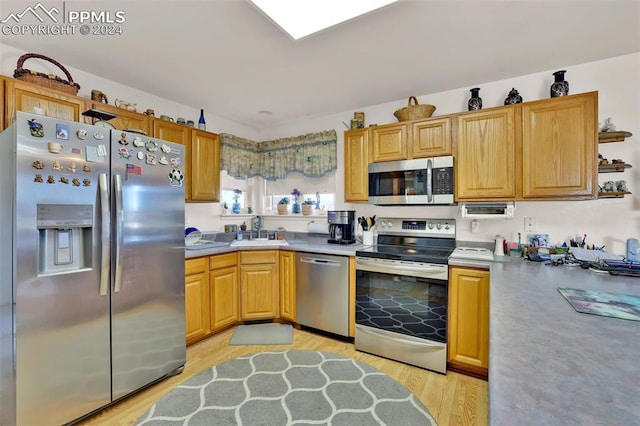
x=389, y=224
x=447, y=225
x=382, y=224
x=430, y=225
x=438, y=225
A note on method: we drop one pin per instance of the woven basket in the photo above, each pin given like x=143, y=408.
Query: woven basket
x=415, y=111
x=49, y=81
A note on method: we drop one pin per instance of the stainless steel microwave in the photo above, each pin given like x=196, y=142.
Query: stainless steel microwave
x=412, y=182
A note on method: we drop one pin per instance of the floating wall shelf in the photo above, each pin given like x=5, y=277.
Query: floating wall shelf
x=605, y=137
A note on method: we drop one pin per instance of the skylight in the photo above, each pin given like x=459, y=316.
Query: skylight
x=299, y=18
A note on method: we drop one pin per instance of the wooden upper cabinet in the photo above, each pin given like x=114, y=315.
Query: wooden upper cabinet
x=559, y=147
x=21, y=96
x=205, y=166
x=430, y=138
x=179, y=134
x=389, y=142
x=125, y=119
x=486, y=154
x=356, y=163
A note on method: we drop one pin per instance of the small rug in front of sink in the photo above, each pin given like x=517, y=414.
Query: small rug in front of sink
x=262, y=334
x=614, y=305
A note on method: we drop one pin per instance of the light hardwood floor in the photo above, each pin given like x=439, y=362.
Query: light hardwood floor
x=452, y=399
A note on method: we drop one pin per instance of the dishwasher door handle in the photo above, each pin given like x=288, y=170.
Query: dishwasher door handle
x=320, y=261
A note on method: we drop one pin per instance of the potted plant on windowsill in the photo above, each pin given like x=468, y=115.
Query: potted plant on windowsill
x=283, y=206
x=307, y=207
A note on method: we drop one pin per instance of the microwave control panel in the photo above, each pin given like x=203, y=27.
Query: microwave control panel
x=443, y=180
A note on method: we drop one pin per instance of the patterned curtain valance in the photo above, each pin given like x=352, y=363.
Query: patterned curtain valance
x=313, y=155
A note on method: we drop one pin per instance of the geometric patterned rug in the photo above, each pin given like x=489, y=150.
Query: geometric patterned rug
x=290, y=387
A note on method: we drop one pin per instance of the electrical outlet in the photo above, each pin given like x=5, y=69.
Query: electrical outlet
x=529, y=224
x=475, y=226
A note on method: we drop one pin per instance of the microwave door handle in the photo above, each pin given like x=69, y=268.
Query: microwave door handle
x=429, y=181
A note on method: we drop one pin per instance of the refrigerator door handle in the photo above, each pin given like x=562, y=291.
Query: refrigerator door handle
x=106, y=234
x=119, y=218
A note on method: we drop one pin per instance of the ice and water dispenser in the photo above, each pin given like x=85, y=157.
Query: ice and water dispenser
x=64, y=237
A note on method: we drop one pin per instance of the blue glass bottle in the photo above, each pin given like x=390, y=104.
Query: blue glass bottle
x=296, y=208
x=235, y=208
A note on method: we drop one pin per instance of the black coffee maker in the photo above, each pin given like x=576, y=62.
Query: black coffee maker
x=342, y=226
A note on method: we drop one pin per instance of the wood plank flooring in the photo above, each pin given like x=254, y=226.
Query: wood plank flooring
x=453, y=399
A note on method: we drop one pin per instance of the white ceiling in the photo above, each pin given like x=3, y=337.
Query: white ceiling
x=227, y=57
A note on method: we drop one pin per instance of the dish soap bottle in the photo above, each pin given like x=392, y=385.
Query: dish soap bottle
x=201, y=123
x=632, y=249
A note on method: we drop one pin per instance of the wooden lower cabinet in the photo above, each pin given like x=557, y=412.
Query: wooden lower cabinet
x=468, y=321
x=223, y=280
x=287, y=278
x=258, y=285
x=196, y=299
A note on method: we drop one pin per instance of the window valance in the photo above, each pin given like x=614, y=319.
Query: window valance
x=312, y=155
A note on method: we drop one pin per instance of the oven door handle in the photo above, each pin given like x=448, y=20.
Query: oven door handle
x=365, y=265
x=425, y=345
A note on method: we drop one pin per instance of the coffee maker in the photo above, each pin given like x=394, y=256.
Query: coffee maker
x=341, y=226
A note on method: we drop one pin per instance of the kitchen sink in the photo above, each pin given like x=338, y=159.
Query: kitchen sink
x=258, y=242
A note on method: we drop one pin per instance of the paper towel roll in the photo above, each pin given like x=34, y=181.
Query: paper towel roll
x=318, y=228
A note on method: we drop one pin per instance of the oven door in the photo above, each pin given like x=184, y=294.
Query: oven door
x=401, y=311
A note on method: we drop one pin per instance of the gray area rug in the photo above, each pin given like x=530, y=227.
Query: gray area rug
x=262, y=334
x=289, y=388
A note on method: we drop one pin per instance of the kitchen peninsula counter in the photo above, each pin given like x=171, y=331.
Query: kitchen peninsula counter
x=550, y=365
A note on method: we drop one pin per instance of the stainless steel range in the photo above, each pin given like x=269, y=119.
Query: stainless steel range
x=401, y=291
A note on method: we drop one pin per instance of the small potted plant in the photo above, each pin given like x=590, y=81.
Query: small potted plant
x=283, y=206
x=307, y=207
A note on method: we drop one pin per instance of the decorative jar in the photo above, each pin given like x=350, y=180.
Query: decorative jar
x=560, y=87
x=475, y=102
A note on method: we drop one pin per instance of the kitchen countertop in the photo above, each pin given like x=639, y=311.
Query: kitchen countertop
x=313, y=246
x=550, y=365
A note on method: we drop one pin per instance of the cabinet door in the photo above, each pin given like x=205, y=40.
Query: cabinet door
x=259, y=291
x=177, y=133
x=287, y=272
x=224, y=297
x=125, y=119
x=485, y=155
x=468, y=316
x=389, y=142
x=559, y=147
x=21, y=96
x=356, y=163
x=431, y=138
x=196, y=299
x=205, y=166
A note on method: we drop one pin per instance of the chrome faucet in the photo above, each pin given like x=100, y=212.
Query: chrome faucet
x=258, y=225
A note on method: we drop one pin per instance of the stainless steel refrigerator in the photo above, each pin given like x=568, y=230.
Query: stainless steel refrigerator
x=91, y=267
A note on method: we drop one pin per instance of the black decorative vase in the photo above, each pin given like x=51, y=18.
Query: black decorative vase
x=475, y=103
x=560, y=87
x=513, y=98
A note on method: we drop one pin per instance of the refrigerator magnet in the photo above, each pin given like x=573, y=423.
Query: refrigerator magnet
x=64, y=180
x=86, y=182
x=75, y=182
x=137, y=142
x=174, y=161
x=38, y=165
x=98, y=136
x=124, y=152
x=35, y=128
x=81, y=134
x=57, y=166
x=140, y=155
x=151, y=146
x=151, y=159
x=51, y=179
x=123, y=139
x=176, y=177
x=163, y=160
x=38, y=179
x=62, y=131
x=165, y=148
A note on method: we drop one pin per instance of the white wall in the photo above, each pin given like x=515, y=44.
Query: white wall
x=606, y=221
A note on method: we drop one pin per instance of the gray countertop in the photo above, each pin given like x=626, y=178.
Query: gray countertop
x=297, y=245
x=550, y=365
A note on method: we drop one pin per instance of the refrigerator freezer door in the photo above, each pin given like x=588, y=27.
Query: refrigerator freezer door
x=148, y=323
x=62, y=330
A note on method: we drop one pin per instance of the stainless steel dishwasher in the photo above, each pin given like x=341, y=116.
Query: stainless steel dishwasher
x=322, y=292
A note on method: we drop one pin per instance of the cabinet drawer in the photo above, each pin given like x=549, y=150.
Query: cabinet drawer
x=258, y=256
x=223, y=260
x=196, y=266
